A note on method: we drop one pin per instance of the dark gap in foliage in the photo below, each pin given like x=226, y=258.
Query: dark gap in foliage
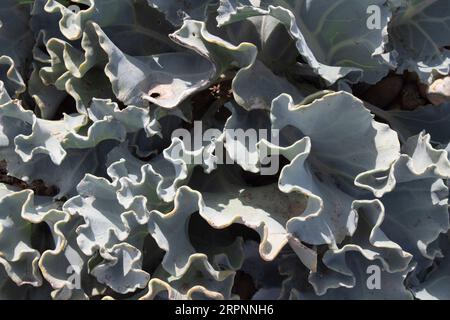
x=40, y=188
x=220, y=93
x=258, y=180
x=262, y=274
x=321, y=267
x=394, y=92
x=89, y=282
x=222, y=114
x=67, y=106
x=301, y=60
x=358, y=89
x=155, y=143
x=380, y=119
x=82, y=6
x=235, y=175
x=120, y=104
x=152, y=255
x=244, y=285
x=206, y=239
x=68, y=3
x=202, y=234
x=37, y=186
x=310, y=246
x=41, y=237
x=117, y=296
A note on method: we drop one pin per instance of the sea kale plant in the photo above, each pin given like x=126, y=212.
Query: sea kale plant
x=206, y=149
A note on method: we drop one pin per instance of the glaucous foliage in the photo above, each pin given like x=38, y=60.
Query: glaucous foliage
x=99, y=199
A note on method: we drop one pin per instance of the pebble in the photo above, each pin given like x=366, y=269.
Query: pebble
x=439, y=91
x=411, y=98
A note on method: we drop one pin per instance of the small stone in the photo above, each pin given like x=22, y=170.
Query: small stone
x=384, y=93
x=439, y=92
x=411, y=98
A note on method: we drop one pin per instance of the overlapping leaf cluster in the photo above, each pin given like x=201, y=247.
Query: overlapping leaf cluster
x=95, y=203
